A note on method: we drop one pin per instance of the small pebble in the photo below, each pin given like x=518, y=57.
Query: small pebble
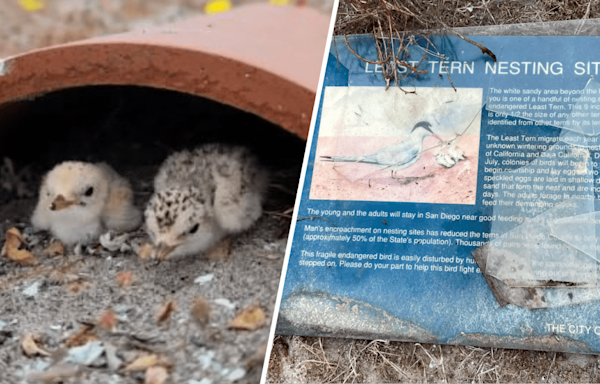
x=236, y=374
x=206, y=359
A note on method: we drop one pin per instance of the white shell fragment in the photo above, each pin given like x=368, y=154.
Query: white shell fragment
x=226, y=303
x=115, y=243
x=206, y=359
x=32, y=290
x=236, y=374
x=204, y=278
x=86, y=354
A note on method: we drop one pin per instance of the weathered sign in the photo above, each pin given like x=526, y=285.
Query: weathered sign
x=458, y=208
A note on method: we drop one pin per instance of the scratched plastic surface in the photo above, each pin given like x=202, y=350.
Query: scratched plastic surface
x=554, y=245
x=555, y=248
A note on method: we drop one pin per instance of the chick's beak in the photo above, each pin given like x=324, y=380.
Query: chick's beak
x=163, y=251
x=61, y=203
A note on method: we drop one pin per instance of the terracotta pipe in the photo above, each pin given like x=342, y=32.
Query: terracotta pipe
x=259, y=58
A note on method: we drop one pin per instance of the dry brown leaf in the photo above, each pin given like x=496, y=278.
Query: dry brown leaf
x=145, y=251
x=124, y=279
x=165, y=311
x=146, y=361
x=56, y=248
x=30, y=346
x=84, y=335
x=108, y=320
x=14, y=248
x=250, y=319
x=156, y=375
x=59, y=277
x=201, y=310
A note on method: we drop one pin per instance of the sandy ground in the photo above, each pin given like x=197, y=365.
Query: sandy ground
x=57, y=311
x=110, y=297
x=105, y=294
x=62, y=295
x=68, y=294
x=95, y=310
x=426, y=181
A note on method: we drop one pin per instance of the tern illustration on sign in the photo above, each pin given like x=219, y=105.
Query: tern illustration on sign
x=428, y=142
x=78, y=201
x=394, y=157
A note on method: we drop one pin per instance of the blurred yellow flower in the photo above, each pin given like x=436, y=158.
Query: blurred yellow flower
x=217, y=6
x=32, y=5
x=279, y=2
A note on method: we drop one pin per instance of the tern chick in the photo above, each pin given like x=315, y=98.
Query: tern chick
x=78, y=201
x=452, y=157
x=203, y=195
x=394, y=157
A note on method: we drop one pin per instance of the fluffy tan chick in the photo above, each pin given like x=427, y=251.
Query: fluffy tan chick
x=78, y=201
x=203, y=195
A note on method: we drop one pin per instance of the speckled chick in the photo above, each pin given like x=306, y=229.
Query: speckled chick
x=78, y=201
x=203, y=195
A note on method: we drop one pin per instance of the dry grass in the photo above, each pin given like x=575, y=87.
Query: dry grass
x=393, y=22
x=332, y=360
x=298, y=359
x=365, y=16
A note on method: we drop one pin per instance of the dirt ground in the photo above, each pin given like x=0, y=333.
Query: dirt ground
x=110, y=295
x=104, y=294
x=67, y=294
x=301, y=359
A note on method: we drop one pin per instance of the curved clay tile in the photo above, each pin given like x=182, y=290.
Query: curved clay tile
x=260, y=58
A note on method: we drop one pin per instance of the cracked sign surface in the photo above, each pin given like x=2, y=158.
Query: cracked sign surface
x=553, y=244
x=464, y=215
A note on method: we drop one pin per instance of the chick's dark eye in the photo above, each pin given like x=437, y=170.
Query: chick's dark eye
x=194, y=229
x=89, y=191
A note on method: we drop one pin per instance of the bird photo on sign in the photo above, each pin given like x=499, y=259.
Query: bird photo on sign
x=377, y=145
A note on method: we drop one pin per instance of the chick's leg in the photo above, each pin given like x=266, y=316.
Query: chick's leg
x=220, y=251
